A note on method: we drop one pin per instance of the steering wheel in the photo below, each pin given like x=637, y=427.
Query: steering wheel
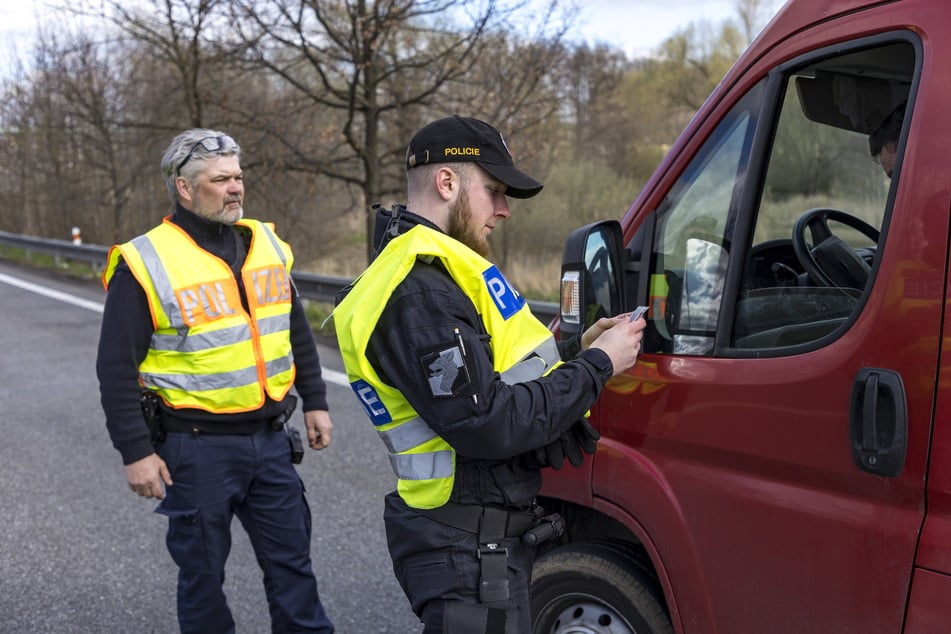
x=831, y=262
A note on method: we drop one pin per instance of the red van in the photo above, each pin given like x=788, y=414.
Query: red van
x=779, y=458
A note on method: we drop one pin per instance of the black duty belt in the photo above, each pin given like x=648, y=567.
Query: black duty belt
x=185, y=426
x=473, y=518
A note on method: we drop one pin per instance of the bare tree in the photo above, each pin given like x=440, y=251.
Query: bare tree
x=376, y=68
x=188, y=74
x=16, y=182
x=752, y=14
x=38, y=132
x=695, y=58
x=64, y=124
x=112, y=161
x=181, y=33
x=324, y=96
x=592, y=79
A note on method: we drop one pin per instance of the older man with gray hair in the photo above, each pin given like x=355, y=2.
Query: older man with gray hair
x=203, y=338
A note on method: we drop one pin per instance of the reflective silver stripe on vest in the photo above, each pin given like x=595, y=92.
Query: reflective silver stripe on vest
x=274, y=324
x=274, y=243
x=412, y=433
x=422, y=466
x=153, y=264
x=201, y=382
x=198, y=382
x=534, y=364
x=183, y=342
x=195, y=343
x=281, y=364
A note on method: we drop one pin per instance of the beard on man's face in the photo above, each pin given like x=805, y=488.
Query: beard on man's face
x=225, y=214
x=460, y=226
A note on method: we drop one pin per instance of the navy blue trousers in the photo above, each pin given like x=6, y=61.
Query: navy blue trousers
x=216, y=477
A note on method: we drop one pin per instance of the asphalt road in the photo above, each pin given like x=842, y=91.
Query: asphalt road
x=80, y=553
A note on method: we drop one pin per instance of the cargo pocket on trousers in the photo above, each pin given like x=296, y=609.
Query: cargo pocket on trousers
x=185, y=538
x=426, y=576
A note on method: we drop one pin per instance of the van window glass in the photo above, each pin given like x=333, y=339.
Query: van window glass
x=803, y=192
x=816, y=234
x=692, y=242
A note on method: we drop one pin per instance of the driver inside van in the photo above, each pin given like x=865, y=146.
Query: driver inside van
x=883, y=142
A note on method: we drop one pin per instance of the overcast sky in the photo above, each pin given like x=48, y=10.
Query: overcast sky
x=636, y=26
x=639, y=26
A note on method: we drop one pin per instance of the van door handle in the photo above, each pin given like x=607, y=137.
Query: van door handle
x=878, y=421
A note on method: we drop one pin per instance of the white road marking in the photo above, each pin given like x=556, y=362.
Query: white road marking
x=96, y=307
x=337, y=378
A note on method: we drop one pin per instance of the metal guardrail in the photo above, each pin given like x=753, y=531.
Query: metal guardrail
x=320, y=288
x=91, y=253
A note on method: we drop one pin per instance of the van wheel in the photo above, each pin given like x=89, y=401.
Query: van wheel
x=595, y=589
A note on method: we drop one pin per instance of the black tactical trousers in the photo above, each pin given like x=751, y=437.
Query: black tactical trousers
x=439, y=569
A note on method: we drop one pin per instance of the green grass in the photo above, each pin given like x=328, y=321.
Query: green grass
x=72, y=268
x=317, y=313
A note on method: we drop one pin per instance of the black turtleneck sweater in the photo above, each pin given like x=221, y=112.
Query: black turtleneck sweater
x=127, y=333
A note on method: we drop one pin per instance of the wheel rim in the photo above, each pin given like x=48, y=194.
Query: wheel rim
x=580, y=614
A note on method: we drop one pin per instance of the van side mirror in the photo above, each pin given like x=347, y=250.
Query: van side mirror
x=591, y=278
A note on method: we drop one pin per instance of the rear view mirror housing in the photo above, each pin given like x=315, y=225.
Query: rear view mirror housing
x=591, y=278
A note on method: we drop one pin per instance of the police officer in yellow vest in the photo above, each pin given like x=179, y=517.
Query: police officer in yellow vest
x=203, y=324
x=463, y=385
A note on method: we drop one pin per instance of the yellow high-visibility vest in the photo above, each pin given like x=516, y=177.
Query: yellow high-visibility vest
x=207, y=351
x=523, y=349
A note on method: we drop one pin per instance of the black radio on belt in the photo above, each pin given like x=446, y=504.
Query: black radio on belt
x=297, y=445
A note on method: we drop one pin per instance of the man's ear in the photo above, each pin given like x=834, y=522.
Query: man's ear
x=184, y=189
x=447, y=183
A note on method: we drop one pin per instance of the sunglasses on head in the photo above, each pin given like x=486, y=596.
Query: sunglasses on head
x=211, y=144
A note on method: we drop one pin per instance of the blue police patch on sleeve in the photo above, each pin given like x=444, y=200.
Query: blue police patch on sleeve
x=371, y=402
x=506, y=298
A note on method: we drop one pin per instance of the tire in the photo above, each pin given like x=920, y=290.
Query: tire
x=595, y=589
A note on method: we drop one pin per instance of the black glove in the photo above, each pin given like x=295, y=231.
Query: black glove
x=550, y=455
x=586, y=436
x=579, y=439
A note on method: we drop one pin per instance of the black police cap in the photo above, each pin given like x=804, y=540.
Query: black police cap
x=458, y=139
